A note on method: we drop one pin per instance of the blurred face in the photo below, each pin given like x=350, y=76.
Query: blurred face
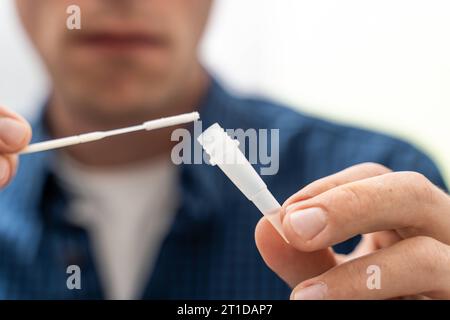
x=129, y=58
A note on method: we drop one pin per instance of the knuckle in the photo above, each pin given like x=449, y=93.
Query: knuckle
x=374, y=168
x=427, y=243
x=350, y=196
x=418, y=186
x=416, y=177
x=354, y=275
x=429, y=254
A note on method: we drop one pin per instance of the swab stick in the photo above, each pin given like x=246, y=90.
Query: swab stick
x=98, y=135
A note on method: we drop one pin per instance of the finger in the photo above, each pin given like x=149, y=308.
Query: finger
x=15, y=132
x=351, y=174
x=416, y=266
x=8, y=164
x=404, y=201
x=290, y=264
x=294, y=266
x=384, y=239
x=370, y=243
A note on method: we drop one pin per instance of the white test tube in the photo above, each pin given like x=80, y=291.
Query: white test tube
x=225, y=153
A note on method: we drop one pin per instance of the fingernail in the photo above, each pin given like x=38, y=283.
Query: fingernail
x=314, y=292
x=12, y=132
x=308, y=223
x=4, y=169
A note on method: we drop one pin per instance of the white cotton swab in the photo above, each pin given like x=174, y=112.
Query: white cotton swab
x=98, y=135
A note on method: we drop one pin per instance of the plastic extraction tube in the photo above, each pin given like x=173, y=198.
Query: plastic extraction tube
x=225, y=153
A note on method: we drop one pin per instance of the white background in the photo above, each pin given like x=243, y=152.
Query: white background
x=381, y=64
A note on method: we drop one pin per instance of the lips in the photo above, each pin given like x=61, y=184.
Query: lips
x=121, y=41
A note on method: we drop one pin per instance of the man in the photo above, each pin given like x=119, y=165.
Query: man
x=133, y=225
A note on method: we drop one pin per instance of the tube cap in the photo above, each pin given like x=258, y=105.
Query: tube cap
x=225, y=153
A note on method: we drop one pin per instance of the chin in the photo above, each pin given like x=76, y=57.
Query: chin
x=131, y=96
x=114, y=108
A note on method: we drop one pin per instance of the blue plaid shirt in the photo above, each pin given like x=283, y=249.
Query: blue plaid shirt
x=209, y=252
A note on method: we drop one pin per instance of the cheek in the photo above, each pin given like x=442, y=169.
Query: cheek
x=184, y=17
x=29, y=12
x=196, y=13
x=43, y=20
x=190, y=21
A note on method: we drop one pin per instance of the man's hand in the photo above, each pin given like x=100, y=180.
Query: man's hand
x=15, y=134
x=405, y=221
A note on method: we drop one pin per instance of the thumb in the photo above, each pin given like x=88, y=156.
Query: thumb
x=15, y=132
x=292, y=265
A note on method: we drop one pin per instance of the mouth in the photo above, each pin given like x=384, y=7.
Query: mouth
x=121, y=42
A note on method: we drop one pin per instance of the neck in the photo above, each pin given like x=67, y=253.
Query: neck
x=63, y=120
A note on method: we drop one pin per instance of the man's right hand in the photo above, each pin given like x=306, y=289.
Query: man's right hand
x=15, y=134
